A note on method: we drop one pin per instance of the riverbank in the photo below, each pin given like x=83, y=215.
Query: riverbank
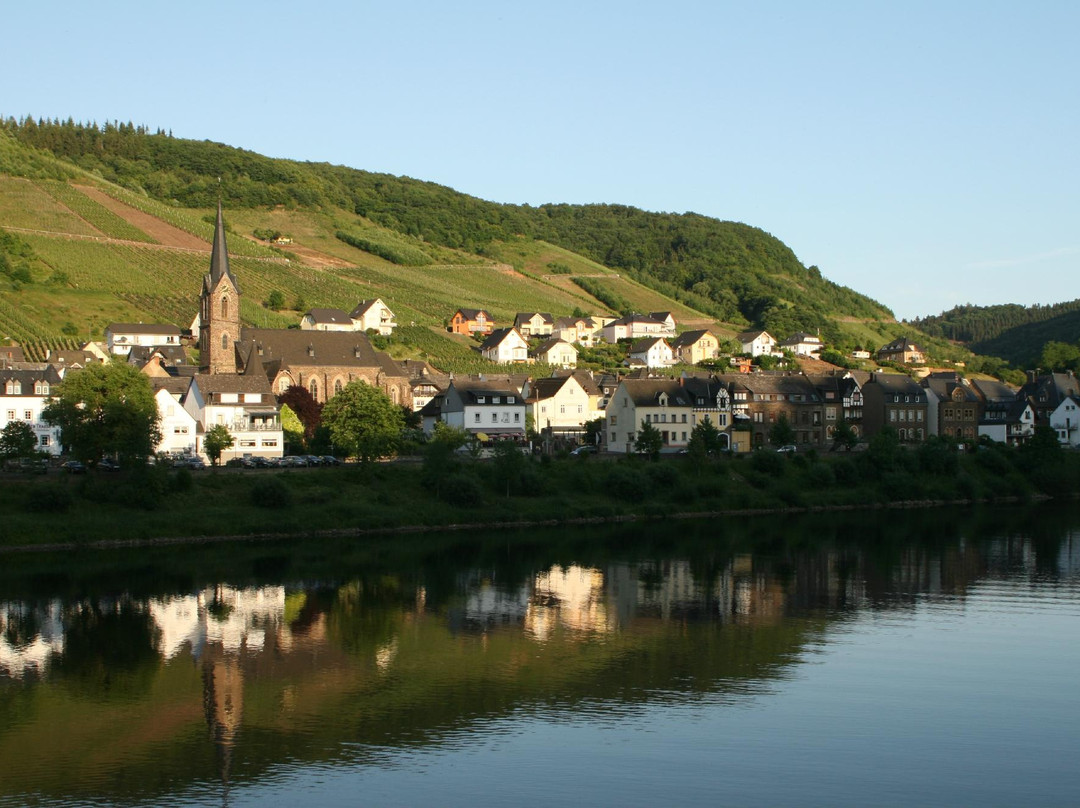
x=161, y=506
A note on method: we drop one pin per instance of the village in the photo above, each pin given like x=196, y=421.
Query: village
x=670, y=382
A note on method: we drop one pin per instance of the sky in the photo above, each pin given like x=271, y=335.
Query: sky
x=923, y=153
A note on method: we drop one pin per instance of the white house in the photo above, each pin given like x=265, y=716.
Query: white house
x=373, y=315
x=244, y=404
x=757, y=343
x=633, y=326
x=326, y=320
x=1065, y=421
x=653, y=352
x=564, y=404
x=486, y=409
x=121, y=337
x=803, y=344
x=179, y=428
x=667, y=319
x=556, y=352
x=505, y=345
x=23, y=395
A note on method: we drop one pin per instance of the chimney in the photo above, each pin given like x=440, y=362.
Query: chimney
x=356, y=351
x=310, y=350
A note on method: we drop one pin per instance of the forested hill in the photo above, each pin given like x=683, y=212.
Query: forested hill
x=1013, y=332
x=730, y=271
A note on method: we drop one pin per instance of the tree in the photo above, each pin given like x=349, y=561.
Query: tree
x=704, y=439
x=649, y=441
x=844, y=435
x=363, y=421
x=216, y=441
x=293, y=429
x=305, y=407
x=105, y=408
x=782, y=433
x=17, y=440
x=275, y=300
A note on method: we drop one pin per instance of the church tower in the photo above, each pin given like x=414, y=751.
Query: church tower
x=219, y=309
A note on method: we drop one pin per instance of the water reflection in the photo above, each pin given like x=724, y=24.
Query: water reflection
x=160, y=692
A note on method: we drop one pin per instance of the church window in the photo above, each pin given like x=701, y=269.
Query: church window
x=224, y=306
x=313, y=386
x=394, y=395
x=337, y=386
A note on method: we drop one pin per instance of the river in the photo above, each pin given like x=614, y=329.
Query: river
x=874, y=658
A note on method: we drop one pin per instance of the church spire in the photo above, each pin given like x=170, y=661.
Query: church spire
x=219, y=256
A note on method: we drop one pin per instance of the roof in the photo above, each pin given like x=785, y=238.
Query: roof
x=632, y=318
x=174, y=385
x=219, y=256
x=232, y=383
x=471, y=314
x=644, y=344
x=687, y=338
x=471, y=391
x=363, y=306
x=647, y=392
x=329, y=316
x=778, y=384
x=994, y=391
x=895, y=383
x=291, y=347
x=12, y=353
x=497, y=336
x=898, y=345
x=73, y=357
x=750, y=336
x=661, y=315
x=163, y=329
x=141, y=354
x=46, y=373
x=945, y=385
x=548, y=344
x=801, y=337
x=526, y=316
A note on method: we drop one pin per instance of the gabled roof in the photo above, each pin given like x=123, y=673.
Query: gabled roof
x=661, y=316
x=364, y=306
x=498, y=336
x=26, y=378
x=141, y=354
x=471, y=314
x=70, y=358
x=12, y=353
x=548, y=388
x=174, y=385
x=645, y=343
x=471, y=391
x=902, y=344
x=994, y=391
x=688, y=338
x=329, y=316
x=782, y=384
x=801, y=337
x=523, y=317
x=895, y=384
x=210, y=383
x=647, y=392
x=945, y=385
x=548, y=344
x=750, y=336
x=632, y=318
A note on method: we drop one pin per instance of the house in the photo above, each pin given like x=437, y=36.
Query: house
x=556, y=352
x=179, y=427
x=803, y=344
x=426, y=382
x=373, y=315
x=326, y=320
x=23, y=396
x=121, y=337
x=534, y=324
x=505, y=345
x=244, y=404
x=1065, y=421
x=954, y=409
x=10, y=355
x=756, y=343
x=562, y=405
x=652, y=352
x=841, y=398
x=711, y=398
x=901, y=351
x=761, y=400
x=77, y=360
x=471, y=321
x=1046, y=393
x=691, y=347
x=487, y=410
x=633, y=326
x=897, y=401
x=664, y=403
x=1009, y=422
x=667, y=319
x=169, y=356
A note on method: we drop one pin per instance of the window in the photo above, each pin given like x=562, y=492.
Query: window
x=892, y=415
x=517, y=417
x=684, y=417
x=614, y=437
x=313, y=388
x=337, y=386
x=14, y=388
x=919, y=416
x=481, y=399
x=830, y=413
x=11, y=415
x=247, y=444
x=224, y=307
x=28, y=415
x=180, y=430
x=476, y=418
x=506, y=417
x=496, y=399
x=224, y=342
x=41, y=388
x=614, y=421
x=269, y=443
x=562, y=409
x=494, y=417
x=43, y=440
x=648, y=418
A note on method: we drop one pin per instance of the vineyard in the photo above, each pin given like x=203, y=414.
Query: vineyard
x=90, y=211
x=25, y=206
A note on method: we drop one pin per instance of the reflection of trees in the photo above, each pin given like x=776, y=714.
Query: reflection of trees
x=21, y=627
x=109, y=651
x=367, y=614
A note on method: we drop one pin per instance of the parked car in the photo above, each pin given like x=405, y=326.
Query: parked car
x=195, y=464
x=330, y=460
x=313, y=460
x=241, y=463
x=265, y=462
x=586, y=449
x=293, y=461
x=788, y=448
x=74, y=467
x=108, y=464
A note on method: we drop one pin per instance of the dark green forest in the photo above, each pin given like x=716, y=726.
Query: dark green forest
x=731, y=271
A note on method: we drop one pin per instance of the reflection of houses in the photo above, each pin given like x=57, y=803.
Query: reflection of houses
x=29, y=637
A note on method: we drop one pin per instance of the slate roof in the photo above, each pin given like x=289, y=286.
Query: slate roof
x=155, y=329
x=12, y=353
x=647, y=392
x=175, y=385
x=496, y=337
x=27, y=378
x=329, y=317
x=219, y=257
x=896, y=384
x=524, y=317
x=291, y=347
x=750, y=336
x=548, y=344
x=217, y=383
x=688, y=338
x=471, y=314
x=363, y=306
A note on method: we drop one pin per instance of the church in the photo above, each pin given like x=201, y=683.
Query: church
x=322, y=362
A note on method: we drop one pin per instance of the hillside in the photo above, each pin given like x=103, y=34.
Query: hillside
x=1013, y=332
x=111, y=223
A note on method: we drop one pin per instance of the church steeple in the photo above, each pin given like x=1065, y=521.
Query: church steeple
x=219, y=308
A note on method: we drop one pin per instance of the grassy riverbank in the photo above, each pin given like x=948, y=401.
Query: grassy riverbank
x=154, y=503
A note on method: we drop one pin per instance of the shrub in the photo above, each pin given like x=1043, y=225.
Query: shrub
x=48, y=499
x=271, y=492
x=182, y=481
x=462, y=489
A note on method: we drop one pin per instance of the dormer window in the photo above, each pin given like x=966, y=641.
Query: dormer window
x=481, y=399
x=496, y=400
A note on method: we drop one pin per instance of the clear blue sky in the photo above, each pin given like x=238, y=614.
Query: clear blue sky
x=924, y=153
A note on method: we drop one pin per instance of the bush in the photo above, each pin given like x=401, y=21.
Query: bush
x=271, y=492
x=765, y=462
x=462, y=489
x=48, y=499
x=182, y=481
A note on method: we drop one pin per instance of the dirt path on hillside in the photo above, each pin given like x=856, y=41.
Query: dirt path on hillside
x=164, y=234
x=312, y=258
